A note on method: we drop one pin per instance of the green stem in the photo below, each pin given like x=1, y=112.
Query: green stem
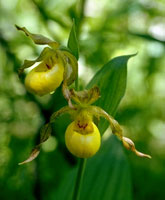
x=82, y=163
x=76, y=84
x=80, y=15
x=79, y=179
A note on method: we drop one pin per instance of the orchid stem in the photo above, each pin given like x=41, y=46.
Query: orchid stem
x=76, y=84
x=79, y=178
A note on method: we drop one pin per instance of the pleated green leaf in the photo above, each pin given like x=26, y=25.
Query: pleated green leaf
x=111, y=80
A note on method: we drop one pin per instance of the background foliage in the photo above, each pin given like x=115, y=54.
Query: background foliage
x=106, y=29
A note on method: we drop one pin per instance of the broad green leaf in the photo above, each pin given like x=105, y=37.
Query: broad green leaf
x=106, y=176
x=111, y=80
x=73, y=42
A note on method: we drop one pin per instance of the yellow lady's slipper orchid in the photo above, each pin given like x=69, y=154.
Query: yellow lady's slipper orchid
x=56, y=65
x=44, y=78
x=82, y=140
x=82, y=136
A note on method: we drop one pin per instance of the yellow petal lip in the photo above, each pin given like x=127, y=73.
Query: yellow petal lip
x=80, y=145
x=43, y=80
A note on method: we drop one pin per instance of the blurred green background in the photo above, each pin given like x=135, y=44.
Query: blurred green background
x=105, y=29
